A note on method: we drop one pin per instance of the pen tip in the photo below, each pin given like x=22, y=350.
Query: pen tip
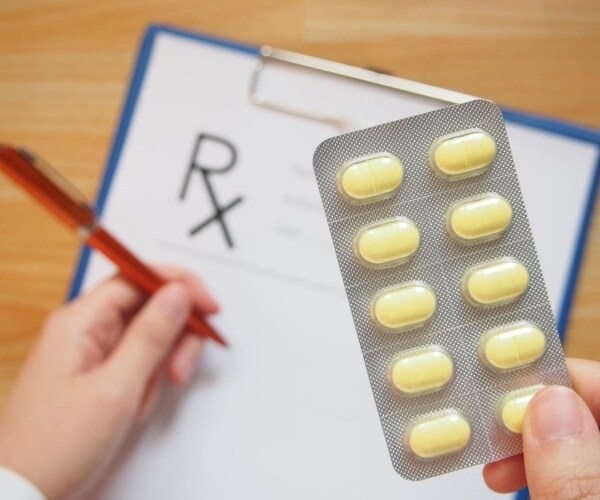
x=220, y=340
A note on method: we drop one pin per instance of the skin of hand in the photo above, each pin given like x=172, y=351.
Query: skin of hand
x=95, y=372
x=561, y=441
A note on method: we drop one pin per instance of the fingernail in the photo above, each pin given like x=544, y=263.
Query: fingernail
x=174, y=301
x=556, y=414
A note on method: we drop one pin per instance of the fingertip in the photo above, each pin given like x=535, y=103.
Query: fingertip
x=174, y=299
x=505, y=476
x=202, y=297
x=213, y=308
x=172, y=375
x=182, y=363
x=180, y=376
x=205, y=301
x=489, y=476
x=175, y=375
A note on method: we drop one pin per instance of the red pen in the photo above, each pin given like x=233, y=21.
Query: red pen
x=55, y=193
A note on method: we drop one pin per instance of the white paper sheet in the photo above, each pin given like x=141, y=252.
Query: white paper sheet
x=287, y=412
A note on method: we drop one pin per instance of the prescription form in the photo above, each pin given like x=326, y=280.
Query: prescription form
x=202, y=178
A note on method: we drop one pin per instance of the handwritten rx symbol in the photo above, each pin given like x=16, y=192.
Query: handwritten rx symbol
x=206, y=172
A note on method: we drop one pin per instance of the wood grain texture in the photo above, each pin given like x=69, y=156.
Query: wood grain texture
x=65, y=65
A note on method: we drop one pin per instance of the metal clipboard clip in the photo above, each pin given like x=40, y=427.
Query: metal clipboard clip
x=383, y=80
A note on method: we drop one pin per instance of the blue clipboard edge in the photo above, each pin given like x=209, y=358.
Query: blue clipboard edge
x=585, y=135
x=542, y=123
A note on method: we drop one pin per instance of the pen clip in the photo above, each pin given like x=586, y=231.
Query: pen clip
x=49, y=187
x=54, y=176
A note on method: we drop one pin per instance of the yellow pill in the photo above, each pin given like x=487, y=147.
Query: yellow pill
x=403, y=307
x=464, y=154
x=512, y=346
x=494, y=283
x=439, y=435
x=371, y=178
x=513, y=408
x=387, y=243
x=421, y=370
x=478, y=219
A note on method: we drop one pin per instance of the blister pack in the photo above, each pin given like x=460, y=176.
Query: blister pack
x=444, y=284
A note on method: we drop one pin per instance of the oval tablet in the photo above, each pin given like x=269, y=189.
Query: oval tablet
x=463, y=154
x=387, y=243
x=513, y=407
x=495, y=283
x=512, y=346
x=403, y=307
x=439, y=435
x=421, y=370
x=478, y=219
x=371, y=178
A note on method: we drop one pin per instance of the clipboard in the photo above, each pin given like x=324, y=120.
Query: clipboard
x=260, y=62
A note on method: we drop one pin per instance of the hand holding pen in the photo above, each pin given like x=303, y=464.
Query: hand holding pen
x=98, y=368
x=57, y=195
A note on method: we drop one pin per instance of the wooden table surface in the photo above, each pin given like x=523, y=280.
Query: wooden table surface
x=65, y=65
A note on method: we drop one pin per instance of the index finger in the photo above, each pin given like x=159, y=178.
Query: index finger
x=120, y=294
x=105, y=311
x=203, y=299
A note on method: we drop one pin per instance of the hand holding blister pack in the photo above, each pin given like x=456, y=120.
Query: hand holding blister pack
x=443, y=279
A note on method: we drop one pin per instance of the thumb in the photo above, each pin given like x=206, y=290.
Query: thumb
x=561, y=446
x=151, y=335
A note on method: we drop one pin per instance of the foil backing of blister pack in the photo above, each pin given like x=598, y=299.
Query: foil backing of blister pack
x=474, y=391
